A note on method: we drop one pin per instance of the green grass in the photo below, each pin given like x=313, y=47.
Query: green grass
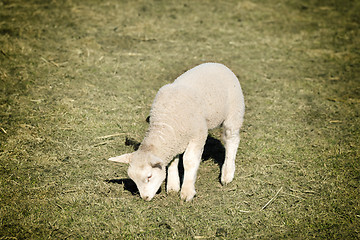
x=74, y=72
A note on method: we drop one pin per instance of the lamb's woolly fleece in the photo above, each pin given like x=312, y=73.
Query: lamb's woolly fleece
x=200, y=99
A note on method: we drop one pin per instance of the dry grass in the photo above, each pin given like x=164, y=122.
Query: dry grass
x=78, y=77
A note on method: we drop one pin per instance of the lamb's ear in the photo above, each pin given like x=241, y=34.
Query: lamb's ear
x=156, y=162
x=125, y=158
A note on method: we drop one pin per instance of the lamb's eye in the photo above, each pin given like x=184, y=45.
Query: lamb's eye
x=148, y=178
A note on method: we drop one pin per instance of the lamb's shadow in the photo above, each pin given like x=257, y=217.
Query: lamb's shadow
x=129, y=185
x=213, y=149
x=132, y=142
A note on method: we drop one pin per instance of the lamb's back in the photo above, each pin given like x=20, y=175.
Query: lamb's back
x=217, y=88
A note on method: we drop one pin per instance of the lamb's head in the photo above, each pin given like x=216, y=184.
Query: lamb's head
x=146, y=170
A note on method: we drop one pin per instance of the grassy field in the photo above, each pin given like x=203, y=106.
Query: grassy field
x=77, y=78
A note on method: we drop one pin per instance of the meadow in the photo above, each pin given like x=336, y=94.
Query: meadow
x=77, y=80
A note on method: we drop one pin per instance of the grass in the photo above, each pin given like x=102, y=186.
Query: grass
x=78, y=77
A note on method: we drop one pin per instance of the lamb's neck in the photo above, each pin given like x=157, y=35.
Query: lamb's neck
x=160, y=141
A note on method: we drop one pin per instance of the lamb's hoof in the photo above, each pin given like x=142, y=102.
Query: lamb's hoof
x=173, y=186
x=187, y=195
x=226, y=179
x=172, y=189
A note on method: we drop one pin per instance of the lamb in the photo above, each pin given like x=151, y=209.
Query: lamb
x=204, y=97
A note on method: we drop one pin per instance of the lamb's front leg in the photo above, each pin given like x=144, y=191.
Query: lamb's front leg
x=173, y=179
x=192, y=159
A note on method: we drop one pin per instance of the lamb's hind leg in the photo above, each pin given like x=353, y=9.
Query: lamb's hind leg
x=231, y=138
x=173, y=179
x=191, y=159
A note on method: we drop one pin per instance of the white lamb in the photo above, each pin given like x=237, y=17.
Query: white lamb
x=202, y=98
